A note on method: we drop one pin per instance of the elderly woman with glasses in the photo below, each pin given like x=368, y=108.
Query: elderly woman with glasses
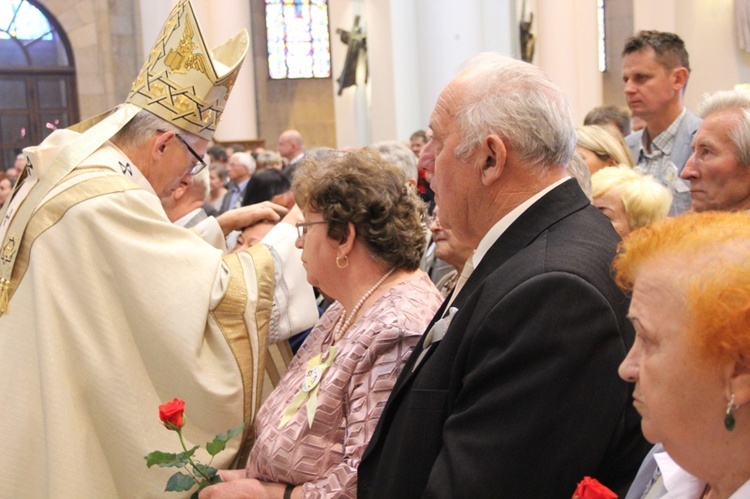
x=690, y=279
x=362, y=240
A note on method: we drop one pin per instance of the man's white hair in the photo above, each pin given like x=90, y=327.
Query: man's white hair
x=516, y=100
x=398, y=154
x=729, y=100
x=246, y=160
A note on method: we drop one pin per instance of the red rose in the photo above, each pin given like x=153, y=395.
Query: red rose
x=172, y=414
x=590, y=488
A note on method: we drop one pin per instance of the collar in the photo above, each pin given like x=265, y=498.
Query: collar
x=241, y=186
x=502, y=225
x=665, y=140
x=183, y=220
x=678, y=482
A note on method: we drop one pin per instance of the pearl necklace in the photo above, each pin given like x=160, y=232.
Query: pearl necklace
x=342, y=326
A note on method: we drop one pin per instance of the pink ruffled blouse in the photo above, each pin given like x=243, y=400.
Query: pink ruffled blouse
x=350, y=398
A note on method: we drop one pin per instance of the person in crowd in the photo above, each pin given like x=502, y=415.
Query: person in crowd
x=655, y=69
x=513, y=391
x=615, y=116
x=400, y=156
x=691, y=359
x=108, y=310
x=630, y=200
x=291, y=147
x=265, y=185
x=6, y=186
x=269, y=185
x=719, y=168
x=218, y=177
x=184, y=206
x=418, y=140
x=241, y=167
x=449, y=249
x=268, y=159
x=602, y=146
x=218, y=154
x=361, y=242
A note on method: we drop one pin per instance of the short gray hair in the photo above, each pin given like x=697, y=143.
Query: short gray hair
x=730, y=100
x=399, y=155
x=246, y=160
x=516, y=100
x=201, y=183
x=142, y=127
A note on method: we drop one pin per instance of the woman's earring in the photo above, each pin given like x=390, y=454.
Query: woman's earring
x=729, y=421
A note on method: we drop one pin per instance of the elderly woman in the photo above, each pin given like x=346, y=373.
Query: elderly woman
x=629, y=199
x=690, y=279
x=602, y=146
x=362, y=240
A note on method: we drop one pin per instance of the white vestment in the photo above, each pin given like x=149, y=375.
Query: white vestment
x=113, y=311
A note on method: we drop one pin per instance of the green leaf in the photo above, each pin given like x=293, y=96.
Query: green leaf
x=180, y=482
x=202, y=469
x=216, y=446
x=168, y=460
x=220, y=442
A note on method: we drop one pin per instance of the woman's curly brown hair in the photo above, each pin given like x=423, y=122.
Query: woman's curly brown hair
x=363, y=188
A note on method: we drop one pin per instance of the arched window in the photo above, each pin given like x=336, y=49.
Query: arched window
x=37, y=77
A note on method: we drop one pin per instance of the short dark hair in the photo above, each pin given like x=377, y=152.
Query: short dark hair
x=264, y=185
x=669, y=48
x=218, y=153
x=419, y=134
x=606, y=115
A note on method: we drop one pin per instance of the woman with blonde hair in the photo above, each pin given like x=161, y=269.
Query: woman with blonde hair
x=628, y=198
x=690, y=363
x=602, y=146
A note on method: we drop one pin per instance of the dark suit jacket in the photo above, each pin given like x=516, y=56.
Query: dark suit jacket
x=521, y=398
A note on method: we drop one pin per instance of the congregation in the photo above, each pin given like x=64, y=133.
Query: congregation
x=500, y=306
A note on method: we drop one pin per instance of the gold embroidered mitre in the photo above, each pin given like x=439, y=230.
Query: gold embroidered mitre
x=182, y=81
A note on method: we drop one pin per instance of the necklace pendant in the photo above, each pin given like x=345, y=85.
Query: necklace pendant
x=312, y=378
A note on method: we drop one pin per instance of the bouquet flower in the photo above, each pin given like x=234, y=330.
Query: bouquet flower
x=172, y=415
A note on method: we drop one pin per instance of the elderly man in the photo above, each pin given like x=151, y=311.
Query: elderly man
x=719, y=169
x=292, y=149
x=655, y=69
x=513, y=391
x=109, y=310
x=184, y=207
x=241, y=166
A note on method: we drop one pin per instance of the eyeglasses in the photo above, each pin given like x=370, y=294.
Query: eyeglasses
x=302, y=227
x=200, y=165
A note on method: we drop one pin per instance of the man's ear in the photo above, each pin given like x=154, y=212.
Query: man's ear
x=160, y=144
x=180, y=191
x=679, y=78
x=495, y=155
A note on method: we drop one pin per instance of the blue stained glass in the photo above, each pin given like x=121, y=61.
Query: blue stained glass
x=298, y=40
x=21, y=20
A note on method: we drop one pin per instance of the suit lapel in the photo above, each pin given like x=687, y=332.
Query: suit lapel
x=554, y=206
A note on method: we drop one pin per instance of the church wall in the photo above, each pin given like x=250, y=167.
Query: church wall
x=418, y=45
x=105, y=41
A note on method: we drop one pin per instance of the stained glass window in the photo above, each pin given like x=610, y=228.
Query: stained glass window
x=298, y=41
